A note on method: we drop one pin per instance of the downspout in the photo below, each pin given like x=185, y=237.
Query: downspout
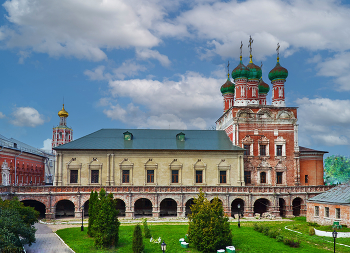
x=16, y=167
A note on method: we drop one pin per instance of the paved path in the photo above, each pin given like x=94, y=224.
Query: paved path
x=46, y=242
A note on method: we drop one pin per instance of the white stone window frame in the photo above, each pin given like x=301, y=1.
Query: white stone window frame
x=129, y=166
x=175, y=165
x=280, y=141
x=71, y=167
x=281, y=168
x=95, y=167
x=150, y=165
x=202, y=167
x=222, y=166
x=264, y=141
x=268, y=177
x=248, y=141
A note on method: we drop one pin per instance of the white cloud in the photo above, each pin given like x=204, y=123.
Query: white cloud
x=47, y=145
x=128, y=69
x=2, y=115
x=160, y=104
x=147, y=54
x=22, y=56
x=324, y=121
x=27, y=116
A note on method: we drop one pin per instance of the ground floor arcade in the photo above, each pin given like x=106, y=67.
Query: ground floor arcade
x=158, y=202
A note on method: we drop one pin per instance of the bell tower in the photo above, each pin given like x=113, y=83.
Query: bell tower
x=62, y=134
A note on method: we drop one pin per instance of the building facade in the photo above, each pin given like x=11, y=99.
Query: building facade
x=21, y=164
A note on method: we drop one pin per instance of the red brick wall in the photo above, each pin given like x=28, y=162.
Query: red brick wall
x=313, y=167
x=322, y=220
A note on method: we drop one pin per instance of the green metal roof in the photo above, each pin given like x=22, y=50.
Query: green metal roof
x=153, y=139
x=339, y=194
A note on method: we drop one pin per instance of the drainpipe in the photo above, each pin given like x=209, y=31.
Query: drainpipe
x=16, y=167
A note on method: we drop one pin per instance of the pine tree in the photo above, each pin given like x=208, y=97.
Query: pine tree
x=106, y=226
x=146, y=229
x=137, y=241
x=92, y=212
x=209, y=228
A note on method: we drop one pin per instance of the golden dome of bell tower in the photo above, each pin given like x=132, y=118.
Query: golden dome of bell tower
x=62, y=134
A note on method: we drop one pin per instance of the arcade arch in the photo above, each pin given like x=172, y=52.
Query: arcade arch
x=282, y=207
x=120, y=207
x=38, y=206
x=234, y=207
x=168, y=207
x=64, y=208
x=296, y=204
x=261, y=206
x=143, y=207
x=189, y=203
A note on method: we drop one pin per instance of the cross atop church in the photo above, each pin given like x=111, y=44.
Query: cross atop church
x=278, y=51
x=228, y=69
x=250, y=49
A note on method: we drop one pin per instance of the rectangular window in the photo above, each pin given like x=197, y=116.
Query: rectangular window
x=263, y=177
x=337, y=213
x=317, y=211
x=175, y=176
x=306, y=179
x=223, y=177
x=279, y=177
x=326, y=211
x=74, y=176
x=278, y=150
x=247, y=177
x=126, y=176
x=94, y=176
x=263, y=150
x=247, y=149
x=199, y=176
x=150, y=176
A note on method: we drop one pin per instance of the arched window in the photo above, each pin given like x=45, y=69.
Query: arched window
x=263, y=177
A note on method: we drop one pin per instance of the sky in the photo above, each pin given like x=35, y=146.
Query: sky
x=160, y=64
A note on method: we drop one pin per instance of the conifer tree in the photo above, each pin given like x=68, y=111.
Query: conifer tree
x=106, y=225
x=92, y=212
x=137, y=241
x=209, y=228
x=146, y=229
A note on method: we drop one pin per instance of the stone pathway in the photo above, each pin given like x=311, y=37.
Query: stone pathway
x=46, y=242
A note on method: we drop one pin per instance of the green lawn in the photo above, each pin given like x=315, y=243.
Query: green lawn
x=245, y=239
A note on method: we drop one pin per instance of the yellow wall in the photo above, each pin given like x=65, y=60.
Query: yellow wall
x=111, y=163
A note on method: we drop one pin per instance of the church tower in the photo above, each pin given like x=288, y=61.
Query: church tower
x=62, y=134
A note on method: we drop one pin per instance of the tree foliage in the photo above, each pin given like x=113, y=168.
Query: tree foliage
x=92, y=211
x=146, y=229
x=137, y=241
x=209, y=229
x=104, y=224
x=336, y=169
x=16, y=225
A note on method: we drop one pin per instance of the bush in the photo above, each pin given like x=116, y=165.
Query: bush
x=279, y=238
x=273, y=233
x=266, y=230
x=209, y=228
x=137, y=241
x=313, y=224
x=258, y=227
x=294, y=243
x=311, y=231
x=146, y=229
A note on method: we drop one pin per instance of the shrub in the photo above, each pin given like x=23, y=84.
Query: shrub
x=137, y=241
x=311, y=231
x=279, y=238
x=92, y=212
x=146, y=229
x=273, y=233
x=313, y=224
x=209, y=228
x=258, y=227
x=266, y=230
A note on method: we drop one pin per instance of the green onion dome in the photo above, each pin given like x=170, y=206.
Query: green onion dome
x=240, y=71
x=278, y=72
x=264, y=88
x=228, y=87
x=254, y=71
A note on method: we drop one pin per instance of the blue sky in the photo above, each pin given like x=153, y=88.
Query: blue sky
x=160, y=64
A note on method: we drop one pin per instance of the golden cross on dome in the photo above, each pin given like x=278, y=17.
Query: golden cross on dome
x=228, y=69
x=278, y=51
x=241, y=50
x=261, y=65
x=250, y=48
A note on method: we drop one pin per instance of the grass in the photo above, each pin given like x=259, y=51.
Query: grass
x=245, y=239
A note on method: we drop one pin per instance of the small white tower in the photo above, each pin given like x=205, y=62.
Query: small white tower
x=62, y=134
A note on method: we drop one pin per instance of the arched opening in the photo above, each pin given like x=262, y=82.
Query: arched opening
x=120, y=207
x=296, y=206
x=189, y=203
x=168, y=207
x=86, y=209
x=143, y=207
x=282, y=207
x=211, y=201
x=40, y=207
x=64, y=208
x=261, y=206
x=237, y=207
